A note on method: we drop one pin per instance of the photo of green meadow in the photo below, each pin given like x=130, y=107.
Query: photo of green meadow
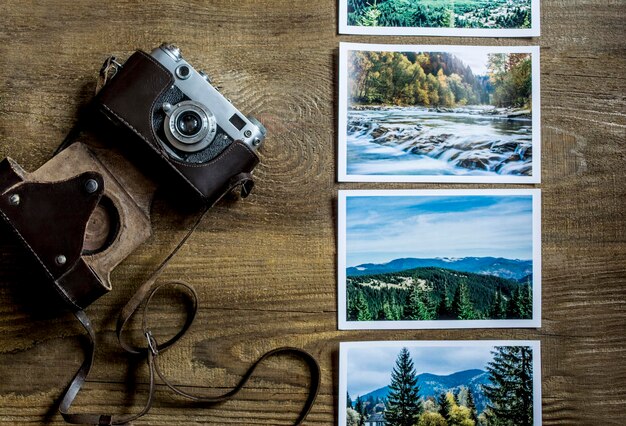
x=441, y=17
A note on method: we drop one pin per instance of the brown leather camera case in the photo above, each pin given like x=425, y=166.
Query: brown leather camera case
x=51, y=209
x=130, y=100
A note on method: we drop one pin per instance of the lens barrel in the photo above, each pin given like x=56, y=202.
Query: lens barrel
x=189, y=126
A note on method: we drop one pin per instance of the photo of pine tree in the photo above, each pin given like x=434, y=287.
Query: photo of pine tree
x=440, y=383
x=427, y=259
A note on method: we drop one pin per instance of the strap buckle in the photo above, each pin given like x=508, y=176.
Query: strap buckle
x=109, y=69
x=152, y=344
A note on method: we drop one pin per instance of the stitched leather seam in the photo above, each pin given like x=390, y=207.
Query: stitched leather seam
x=59, y=289
x=151, y=112
x=138, y=133
x=219, y=158
x=118, y=186
x=152, y=107
x=151, y=147
x=160, y=153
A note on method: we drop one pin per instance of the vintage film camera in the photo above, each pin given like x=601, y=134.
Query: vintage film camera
x=183, y=123
x=88, y=208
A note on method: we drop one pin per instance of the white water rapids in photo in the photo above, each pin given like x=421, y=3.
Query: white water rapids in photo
x=466, y=141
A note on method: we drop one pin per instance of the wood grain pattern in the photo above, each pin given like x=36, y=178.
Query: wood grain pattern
x=265, y=267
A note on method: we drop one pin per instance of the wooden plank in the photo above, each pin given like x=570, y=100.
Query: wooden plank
x=265, y=267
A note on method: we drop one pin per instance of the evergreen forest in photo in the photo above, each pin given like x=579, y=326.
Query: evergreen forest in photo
x=491, y=14
x=437, y=294
x=438, y=79
x=507, y=395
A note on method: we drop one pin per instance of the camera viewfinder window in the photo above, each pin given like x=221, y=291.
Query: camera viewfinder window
x=237, y=121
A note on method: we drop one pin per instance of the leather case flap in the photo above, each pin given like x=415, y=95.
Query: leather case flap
x=50, y=220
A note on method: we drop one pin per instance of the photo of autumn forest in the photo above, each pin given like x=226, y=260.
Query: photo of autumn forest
x=492, y=14
x=456, y=113
x=439, y=258
x=450, y=384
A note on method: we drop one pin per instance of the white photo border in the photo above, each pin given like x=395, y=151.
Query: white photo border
x=342, y=151
x=344, y=348
x=342, y=311
x=533, y=31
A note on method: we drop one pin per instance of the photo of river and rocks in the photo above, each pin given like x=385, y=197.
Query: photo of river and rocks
x=462, y=114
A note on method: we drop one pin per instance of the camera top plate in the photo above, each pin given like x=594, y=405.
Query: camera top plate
x=196, y=86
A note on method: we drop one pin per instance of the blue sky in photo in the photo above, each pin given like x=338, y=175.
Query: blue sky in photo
x=370, y=368
x=477, y=61
x=383, y=228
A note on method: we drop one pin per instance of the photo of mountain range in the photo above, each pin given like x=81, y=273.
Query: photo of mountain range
x=432, y=385
x=505, y=268
x=472, y=383
x=436, y=259
x=432, y=293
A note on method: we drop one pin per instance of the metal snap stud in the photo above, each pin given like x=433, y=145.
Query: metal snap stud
x=14, y=199
x=91, y=186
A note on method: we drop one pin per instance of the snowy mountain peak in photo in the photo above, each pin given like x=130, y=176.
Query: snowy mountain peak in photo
x=515, y=269
x=433, y=385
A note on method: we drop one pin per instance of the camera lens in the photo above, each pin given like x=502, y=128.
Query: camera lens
x=189, y=123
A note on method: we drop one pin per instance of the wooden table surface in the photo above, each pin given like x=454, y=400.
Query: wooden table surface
x=265, y=267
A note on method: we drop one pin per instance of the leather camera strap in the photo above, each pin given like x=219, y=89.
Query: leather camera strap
x=153, y=349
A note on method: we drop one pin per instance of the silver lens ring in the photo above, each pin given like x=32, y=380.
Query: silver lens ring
x=190, y=126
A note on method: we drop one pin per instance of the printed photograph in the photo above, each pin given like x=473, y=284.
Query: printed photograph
x=439, y=259
x=440, y=383
x=494, y=18
x=439, y=114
